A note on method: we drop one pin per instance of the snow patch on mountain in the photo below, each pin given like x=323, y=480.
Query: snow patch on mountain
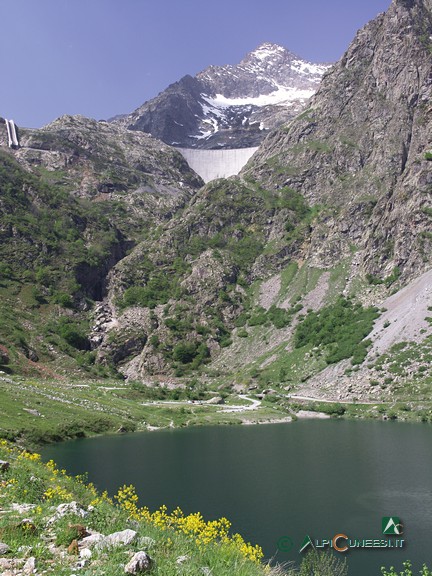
x=310, y=69
x=283, y=95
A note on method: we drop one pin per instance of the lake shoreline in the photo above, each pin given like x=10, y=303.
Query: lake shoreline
x=40, y=412
x=302, y=415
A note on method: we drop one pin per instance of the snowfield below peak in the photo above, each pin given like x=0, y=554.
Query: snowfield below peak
x=282, y=95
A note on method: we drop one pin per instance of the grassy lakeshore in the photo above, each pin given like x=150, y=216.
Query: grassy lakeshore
x=44, y=512
x=34, y=411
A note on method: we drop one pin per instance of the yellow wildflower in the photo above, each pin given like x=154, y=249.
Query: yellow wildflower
x=57, y=493
x=33, y=457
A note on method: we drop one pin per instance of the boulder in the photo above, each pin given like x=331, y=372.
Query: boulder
x=85, y=554
x=182, y=559
x=91, y=540
x=67, y=508
x=140, y=562
x=22, y=508
x=123, y=538
x=30, y=566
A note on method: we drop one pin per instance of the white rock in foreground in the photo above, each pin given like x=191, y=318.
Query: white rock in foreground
x=140, y=562
x=123, y=538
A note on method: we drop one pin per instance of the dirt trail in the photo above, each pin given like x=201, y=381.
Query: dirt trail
x=255, y=404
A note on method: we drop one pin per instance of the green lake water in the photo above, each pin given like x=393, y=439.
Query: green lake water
x=274, y=482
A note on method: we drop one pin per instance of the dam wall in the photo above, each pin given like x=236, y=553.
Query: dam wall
x=212, y=164
x=11, y=133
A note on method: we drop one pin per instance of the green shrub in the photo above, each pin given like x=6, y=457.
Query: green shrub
x=242, y=319
x=179, y=325
x=340, y=328
x=322, y=564
x=190, y=352
x=424, y=571
x=393, y=276
x=330, y=408
x=279, y=317
x=374, y=280
x=44, y=275
x=85, y=359
x=202, y=330
x=72, y=333
x=62, y=299
x=158, y=290
x=154, y=341
x=185, y=352
x=5, y=271
x=258, y=317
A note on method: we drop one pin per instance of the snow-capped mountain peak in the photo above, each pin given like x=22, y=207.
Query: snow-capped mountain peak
x=267, y=50
x=231, y=106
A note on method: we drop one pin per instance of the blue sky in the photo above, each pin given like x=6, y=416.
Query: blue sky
x=100, y=58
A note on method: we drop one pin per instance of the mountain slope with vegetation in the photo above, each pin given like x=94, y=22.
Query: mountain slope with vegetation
x=74, y=199
x=351, y=176
x=117, y=260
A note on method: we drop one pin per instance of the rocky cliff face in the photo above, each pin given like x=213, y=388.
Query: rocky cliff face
x=186, y=284
x=363, y=147
x=230, y=106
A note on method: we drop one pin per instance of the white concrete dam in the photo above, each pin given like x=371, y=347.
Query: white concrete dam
x=12, y=134
x=212, y=164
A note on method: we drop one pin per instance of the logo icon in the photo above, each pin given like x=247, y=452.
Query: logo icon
x=285, y=544
x=306, y=542
x=391, y=525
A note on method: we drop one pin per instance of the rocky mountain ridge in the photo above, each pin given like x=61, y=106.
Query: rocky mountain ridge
x=230, y=106
x=100, y=158
x=363, y=147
